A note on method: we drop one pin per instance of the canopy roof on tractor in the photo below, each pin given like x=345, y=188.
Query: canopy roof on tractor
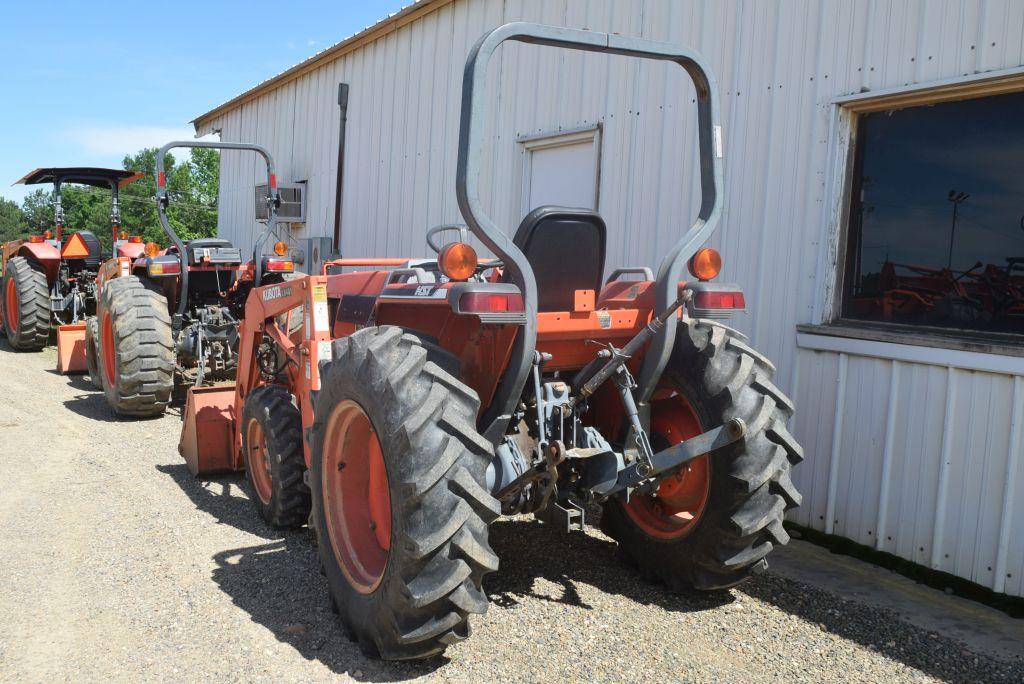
x=85, y=175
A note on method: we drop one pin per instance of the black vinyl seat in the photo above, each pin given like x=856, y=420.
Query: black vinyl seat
x=566, y=249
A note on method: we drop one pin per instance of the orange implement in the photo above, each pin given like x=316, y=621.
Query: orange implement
x=71, y=348
x=206, y=435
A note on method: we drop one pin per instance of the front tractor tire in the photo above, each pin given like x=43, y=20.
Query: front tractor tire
x=711, y=525
x=274, y=463
x=26, y=305
x=400, y=503
x=136, y=348
x=92, y=354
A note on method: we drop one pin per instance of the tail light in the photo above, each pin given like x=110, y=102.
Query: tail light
x=715, y=300
x=280, y=265
x=135, y=239
x=170, y=267
x=719, y=300
x=487, y=302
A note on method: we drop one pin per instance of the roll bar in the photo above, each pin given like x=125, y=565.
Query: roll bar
x=467, y=188
x=162, y=200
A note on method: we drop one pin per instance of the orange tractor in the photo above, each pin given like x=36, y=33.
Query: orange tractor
x=48, y=279
x=170, y=317
x=421, y=399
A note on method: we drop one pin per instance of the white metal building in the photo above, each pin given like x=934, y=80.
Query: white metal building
x=913, y=432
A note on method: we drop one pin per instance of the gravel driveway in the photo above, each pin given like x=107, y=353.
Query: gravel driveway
x=116, y=564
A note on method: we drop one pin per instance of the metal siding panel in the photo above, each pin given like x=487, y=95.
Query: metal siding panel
x=817, y=392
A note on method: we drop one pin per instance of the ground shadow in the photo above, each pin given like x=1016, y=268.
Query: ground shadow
x=93, y=404
x=571, y=559
x=278, y=583
x=221, y=496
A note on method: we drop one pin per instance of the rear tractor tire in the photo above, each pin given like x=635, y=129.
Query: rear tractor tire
x=711, y=525
x=26, y=305
x=274, y=462
x=92, y=354
x=136, y=348
x=400, y=503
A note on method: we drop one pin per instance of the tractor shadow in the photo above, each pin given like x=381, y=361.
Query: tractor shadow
x=224, y=497
x=279, y=584
x=278, y=581
x=91, y=402
x=571, y=560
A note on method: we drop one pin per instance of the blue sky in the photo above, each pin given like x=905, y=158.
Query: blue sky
x=87, y=83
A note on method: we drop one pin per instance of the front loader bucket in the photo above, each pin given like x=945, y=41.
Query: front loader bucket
x=207, y=432
x=71, y=348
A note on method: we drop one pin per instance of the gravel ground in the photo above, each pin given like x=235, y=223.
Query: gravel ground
x=116, y=564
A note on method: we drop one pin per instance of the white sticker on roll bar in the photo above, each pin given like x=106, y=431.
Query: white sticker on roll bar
x=718, y=141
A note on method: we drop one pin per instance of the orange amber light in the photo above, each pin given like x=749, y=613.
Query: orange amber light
x=458, y=261
x=705, y=264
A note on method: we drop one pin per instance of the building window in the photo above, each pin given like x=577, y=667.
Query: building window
x=936, y=231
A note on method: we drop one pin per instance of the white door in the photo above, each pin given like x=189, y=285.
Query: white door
x=562, y=170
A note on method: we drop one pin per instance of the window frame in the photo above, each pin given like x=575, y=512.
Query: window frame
x=832, y=266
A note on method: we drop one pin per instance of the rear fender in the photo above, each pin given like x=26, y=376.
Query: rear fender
x=44, y=254
x=131, y=250
x=483, y=347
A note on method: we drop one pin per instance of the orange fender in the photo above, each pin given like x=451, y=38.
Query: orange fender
x=132, y=250
x=43, y=253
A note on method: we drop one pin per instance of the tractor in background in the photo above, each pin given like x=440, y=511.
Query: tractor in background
x=170, y=317
x=49, y=280
x=421, y=399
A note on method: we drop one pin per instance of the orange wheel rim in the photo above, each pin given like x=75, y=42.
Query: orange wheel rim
x=11, y=305
x=258, y=463
x=107, y=346
x=357, y=501
x=673, y=510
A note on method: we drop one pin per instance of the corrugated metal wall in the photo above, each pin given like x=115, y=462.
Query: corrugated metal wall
x=779, y=66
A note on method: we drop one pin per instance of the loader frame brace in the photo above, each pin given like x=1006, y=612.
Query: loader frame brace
x=471, y=133
x=162, y=201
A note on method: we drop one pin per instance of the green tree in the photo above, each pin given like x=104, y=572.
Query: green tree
x=37, y=208
x=192, y=187
x=12, y=220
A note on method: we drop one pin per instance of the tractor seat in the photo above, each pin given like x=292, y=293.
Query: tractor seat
x=566, y=249
x=92, y=243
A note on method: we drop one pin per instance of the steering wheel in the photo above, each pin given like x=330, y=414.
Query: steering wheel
x=437, y=230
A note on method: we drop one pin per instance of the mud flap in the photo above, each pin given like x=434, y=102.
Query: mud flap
x=71, y=348
x=207, y=430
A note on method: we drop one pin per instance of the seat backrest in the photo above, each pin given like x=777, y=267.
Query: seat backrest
x=566, y=249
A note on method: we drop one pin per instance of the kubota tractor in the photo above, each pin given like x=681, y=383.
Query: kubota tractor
x=48, y=279
x=423, y=398
x=171, y=317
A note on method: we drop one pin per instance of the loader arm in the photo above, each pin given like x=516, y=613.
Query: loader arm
x=304, y=349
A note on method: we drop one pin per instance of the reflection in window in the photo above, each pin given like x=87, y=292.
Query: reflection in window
x=937, y=222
